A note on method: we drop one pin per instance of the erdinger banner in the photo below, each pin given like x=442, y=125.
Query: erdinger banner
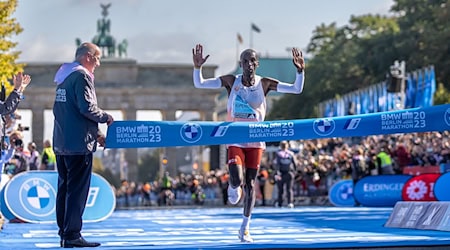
x=142, y=134
x=380, y=190
x=31, y=197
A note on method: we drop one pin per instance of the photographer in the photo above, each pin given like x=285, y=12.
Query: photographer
x=9, y=105
x=7, y=108
x=18, y=162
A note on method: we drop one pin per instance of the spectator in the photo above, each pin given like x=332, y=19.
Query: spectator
x=384, y=161
x=48, y=158
x=34, y=160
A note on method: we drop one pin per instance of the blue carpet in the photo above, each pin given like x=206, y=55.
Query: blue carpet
x=216, y=228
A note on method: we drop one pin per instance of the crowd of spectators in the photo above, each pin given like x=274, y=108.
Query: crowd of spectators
x=321, y=163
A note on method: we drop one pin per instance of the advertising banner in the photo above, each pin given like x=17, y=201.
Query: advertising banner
x=31, y=197
x=420, y=188
x=341, y=194
x=441, y=187
x=144, y=134
x=420, y=215
x=380, y=190
x=418, y=170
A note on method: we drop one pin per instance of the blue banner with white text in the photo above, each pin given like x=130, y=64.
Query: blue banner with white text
x=144, y=134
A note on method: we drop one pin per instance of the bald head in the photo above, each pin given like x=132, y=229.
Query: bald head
x=86, y=48
x=249, y=62
x=248, y=52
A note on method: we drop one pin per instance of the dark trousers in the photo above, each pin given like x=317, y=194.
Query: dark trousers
x=287, y=180
x=74, y=179
x=263, y=195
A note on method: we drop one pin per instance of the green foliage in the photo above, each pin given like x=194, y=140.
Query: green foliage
x=148, y=166
x=112, y=179
x=359, y=54
x=8, y=27
x=442, y=95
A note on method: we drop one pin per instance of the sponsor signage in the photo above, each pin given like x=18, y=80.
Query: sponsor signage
x=434, y=216
x=341, y=194
x=441, y=187
x=420, y=215
x=418, y=170
x=140, y=134
x=31, y=197
x=420, y=188
x=380, y=190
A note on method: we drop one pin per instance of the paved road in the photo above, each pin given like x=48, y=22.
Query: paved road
x=216, y=228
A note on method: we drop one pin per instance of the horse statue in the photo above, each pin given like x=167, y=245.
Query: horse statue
x=122, y=48
x=103, y=39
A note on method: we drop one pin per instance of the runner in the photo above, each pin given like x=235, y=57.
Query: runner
x=246, y=102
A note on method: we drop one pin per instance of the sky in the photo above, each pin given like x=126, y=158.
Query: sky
x=165, y=31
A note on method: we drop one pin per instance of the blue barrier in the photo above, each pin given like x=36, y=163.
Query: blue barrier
x=441, y=187
x=141, y=134
x=380, y=190
x=31, y=197
x=341, y=194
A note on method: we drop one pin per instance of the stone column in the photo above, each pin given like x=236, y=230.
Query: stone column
x=38, y=126
x=169, y=152
x=131, y=154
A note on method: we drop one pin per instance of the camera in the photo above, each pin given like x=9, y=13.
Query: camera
x=21, y=128
x=18, y=143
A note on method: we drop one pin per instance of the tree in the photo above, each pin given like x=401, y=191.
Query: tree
x=359, y=54
x=442, y=95
x=424, y=36
x=148, y=166
x=8, y=27
x=344, y=59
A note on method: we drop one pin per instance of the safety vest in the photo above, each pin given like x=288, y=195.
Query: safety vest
x=385, y=159
x=50, y=155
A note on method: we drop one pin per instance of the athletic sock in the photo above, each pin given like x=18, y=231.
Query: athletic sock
x=245, y=222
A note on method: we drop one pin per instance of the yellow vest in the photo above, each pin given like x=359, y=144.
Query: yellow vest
x=50, y=155
x=385, y=159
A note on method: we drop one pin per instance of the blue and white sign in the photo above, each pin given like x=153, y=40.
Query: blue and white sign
x=441, y=187
x=144, y=134
x=341, y=194
x=380, y=190
x=31, y=197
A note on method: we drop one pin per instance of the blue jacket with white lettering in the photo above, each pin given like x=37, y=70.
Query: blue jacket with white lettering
x=76, y=112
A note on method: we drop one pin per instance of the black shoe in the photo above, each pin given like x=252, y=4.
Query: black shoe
x=80, y=242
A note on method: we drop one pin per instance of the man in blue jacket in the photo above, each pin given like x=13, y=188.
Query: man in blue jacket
x=75, y=138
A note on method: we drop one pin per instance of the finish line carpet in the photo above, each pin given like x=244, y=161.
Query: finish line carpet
x=216, y=228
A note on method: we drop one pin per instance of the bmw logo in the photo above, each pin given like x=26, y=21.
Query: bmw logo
x=37, y=197
x=324, y=126
x=191, y=132
x=447, y=117
x=346, y=192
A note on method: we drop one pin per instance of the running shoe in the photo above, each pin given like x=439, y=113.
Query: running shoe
x=234, y=195
x=244, y=235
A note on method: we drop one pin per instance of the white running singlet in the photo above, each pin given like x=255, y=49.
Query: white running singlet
x=247, y=104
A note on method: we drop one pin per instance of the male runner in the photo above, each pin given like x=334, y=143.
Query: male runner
x=246, y=102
